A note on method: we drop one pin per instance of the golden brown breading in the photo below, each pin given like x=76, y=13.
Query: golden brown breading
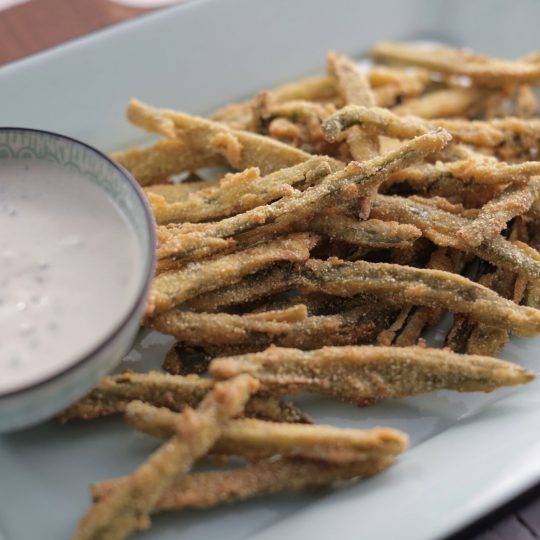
x=365, y=374
x=257, y=439
x=127, y=508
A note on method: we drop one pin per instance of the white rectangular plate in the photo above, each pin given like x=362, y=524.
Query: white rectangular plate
x=470, y=452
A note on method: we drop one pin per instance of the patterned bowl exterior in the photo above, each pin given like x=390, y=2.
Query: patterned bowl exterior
x=32, y=404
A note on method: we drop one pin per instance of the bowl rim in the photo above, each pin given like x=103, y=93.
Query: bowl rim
x=147, y=277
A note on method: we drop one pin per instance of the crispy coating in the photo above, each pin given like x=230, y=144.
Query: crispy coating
x=176, y=286
x=156, y=163
x=354, y=88
x=487, y=171
x=397, y=283
x=127, y=508
x=419, y=286
x=364, y=374
x=441, y=228
x=114, y=392
x=300, y=207
x=481, y=69
x=180, y=191
x=257, y=439
x=175, y=250
x=240, y=149
x=494, y=215
x=515, y=133
x=372, y=232
x=264, y=477
x=240, y=192
x=351, y=83
x=266, y=282
x=358, y=324
x=380, y=120
x=448, y=102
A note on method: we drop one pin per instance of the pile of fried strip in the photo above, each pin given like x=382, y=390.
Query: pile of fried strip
x=356, y=210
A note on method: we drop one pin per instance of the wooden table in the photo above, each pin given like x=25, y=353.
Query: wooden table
x=33, y=26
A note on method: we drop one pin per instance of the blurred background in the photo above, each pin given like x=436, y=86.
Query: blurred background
x=29, y=26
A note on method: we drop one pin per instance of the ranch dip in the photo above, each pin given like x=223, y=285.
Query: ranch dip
x=66, y=279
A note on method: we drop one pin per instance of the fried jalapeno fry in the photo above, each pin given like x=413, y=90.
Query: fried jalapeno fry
x=114, y=392
x=517, y=132
x=355, y=325
x=420, y=286
x=481, y=69
x=264, y=477
x=176, y=286
x=365, y=374
x=127, y=508
x=257, y=439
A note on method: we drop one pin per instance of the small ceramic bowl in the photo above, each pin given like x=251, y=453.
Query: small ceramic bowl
x=40, y=400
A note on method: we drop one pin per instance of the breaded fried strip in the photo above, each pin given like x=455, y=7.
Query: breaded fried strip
x=176, y=192
x=366, y=373
x=358, y=324
x=179, y=248
x=207, y=489
x=481, y=69
x=155, y=163
x=443, y=103
x=240, y=192
x=351, y=83
x=176, y=286
x=240, y=149
x=127, y=508
x=354, y=89
x=419, y=286
x=300, y=207
x=371, y=232
x=267, y=282
x=487, y=171
x=257, y=439
x=516, y=132
x=380, y=120
x=397, y=283
x=441, y=228
x=175, y=392
x=493, y=216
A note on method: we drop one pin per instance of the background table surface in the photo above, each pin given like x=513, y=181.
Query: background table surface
x=32, y=26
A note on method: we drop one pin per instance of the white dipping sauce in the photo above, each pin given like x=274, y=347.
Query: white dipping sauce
x=66, y=269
